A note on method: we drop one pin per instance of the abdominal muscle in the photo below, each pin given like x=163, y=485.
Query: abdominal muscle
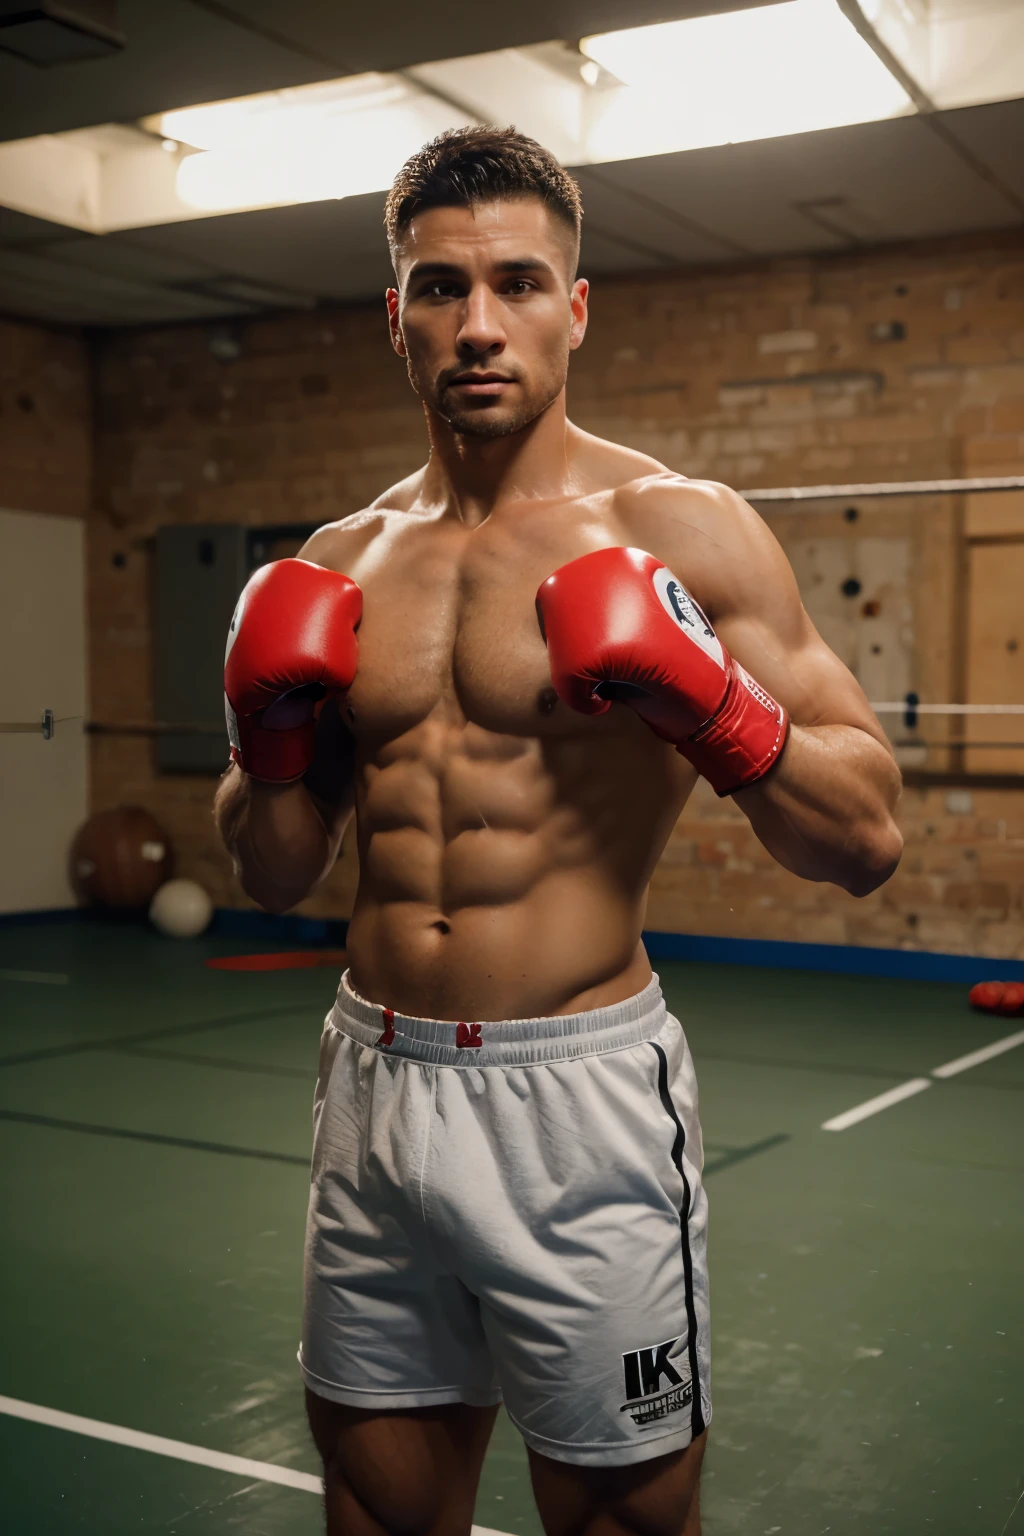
x=506, y=877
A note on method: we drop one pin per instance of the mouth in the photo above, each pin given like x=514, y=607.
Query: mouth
x=480, y=383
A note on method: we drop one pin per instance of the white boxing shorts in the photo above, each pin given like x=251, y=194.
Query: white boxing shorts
x=512, y=1211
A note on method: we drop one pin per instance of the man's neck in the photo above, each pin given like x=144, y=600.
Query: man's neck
x=470, y=476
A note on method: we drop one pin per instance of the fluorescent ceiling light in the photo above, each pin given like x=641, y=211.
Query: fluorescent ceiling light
x=299, y=112
x=754, y=74
x=962, y=52
x=303, y=145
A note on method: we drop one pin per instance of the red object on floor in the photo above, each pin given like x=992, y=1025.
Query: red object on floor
x=285, y=960
x=1002, y=997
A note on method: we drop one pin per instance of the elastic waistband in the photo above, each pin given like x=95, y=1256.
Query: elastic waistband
x=508, y=1043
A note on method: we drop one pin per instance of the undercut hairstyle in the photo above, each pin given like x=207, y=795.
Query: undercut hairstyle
x=466, y=166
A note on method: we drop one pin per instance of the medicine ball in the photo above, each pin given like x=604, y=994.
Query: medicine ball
x=120, y=859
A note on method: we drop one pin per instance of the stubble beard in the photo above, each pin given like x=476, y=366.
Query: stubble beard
x=483, y=423
x=489, y=424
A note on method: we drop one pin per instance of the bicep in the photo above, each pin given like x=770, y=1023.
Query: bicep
x=796, y=666
x=755, y=606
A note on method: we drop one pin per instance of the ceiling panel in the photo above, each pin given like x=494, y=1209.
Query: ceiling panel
x=48, y=289
x=601, y=253
x=177, y=54
x=616, y=209
x=872, y=182
x=333, y=250
x=128, y=259
x=996, y=134
x=22, y=229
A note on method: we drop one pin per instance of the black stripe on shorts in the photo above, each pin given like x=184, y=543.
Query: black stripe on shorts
x=678, y=1146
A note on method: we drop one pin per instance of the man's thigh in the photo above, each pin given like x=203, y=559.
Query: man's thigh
x=407, y=1472
x=660, y=1497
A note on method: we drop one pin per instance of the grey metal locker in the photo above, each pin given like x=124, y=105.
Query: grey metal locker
x=200, y=570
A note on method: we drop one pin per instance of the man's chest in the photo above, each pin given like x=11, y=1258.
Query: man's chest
x=450, y=623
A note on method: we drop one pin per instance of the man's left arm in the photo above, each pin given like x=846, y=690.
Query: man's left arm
x=825, y=808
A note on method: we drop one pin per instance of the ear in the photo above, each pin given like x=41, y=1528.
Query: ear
x=578, y=305
x=394, y=321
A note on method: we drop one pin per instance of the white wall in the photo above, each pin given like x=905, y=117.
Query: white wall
x=43, y=784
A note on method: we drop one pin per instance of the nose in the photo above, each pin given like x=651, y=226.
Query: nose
x=482, y=332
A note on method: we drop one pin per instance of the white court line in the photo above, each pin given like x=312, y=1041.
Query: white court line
x=138, y=1440
x=919, y=1084
x=873, y=1106
x=180, y=1450
x=54, y=978
x=975, y=1058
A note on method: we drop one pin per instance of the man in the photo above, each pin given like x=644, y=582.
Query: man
x=522, y=687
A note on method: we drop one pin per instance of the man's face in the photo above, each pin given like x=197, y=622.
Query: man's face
x=486, y=316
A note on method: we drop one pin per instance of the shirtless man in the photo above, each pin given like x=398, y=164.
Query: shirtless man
x=515, y=1208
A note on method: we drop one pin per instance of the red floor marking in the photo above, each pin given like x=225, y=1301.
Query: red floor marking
x=286, y=960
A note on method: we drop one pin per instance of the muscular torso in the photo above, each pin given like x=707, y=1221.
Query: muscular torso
x=505, y=841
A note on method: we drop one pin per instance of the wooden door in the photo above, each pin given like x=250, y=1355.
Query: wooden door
x=995, y=655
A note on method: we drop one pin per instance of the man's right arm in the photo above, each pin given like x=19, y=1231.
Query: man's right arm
x=284, y=838
x=283, y=805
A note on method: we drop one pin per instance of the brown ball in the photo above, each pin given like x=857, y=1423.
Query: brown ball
x=120, y=859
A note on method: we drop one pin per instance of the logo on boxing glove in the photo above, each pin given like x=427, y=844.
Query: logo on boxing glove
x=687, y=614
x=236, y=619
x=230, y=718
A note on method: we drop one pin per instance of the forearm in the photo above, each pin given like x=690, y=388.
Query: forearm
x=825, y=811
x=279, y=841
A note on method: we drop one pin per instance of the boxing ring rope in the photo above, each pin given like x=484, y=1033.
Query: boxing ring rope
x=46, y=727
x=909, y=708
x=885, y=488
x=948, y=709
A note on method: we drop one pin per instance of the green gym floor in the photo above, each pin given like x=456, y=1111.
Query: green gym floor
x=868, y=1370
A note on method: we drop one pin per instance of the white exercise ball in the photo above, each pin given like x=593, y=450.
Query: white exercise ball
x=181, y=909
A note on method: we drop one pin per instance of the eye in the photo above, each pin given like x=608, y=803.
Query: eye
x=520, y=285
x=441, y=288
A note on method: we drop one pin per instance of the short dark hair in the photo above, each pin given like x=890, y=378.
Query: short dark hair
x=477, y=165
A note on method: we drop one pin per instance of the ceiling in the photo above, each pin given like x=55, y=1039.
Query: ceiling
x=906, y=178
x=181, y=52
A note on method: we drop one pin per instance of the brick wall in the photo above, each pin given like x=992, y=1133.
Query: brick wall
x=885, y=365
x=45, y=429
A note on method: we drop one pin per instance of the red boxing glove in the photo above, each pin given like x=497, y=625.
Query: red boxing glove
x=1006, y=997
x=292, y=640
x=618, y=625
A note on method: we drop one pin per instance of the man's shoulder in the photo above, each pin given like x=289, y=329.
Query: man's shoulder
x=338, y=543
x=662, y=501
x=705, y=533
x=335, y=544
x=642, y=485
